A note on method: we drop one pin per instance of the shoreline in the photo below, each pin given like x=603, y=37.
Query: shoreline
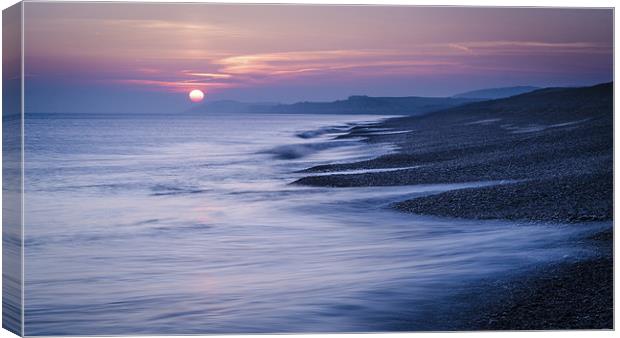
x=563, y=163
x=566, y=166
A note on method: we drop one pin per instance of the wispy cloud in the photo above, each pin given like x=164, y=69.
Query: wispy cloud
x=172, y=86
x=256, y=69
x=529, y=47
x=207, y=75
x=199, y=68
x=301, y=63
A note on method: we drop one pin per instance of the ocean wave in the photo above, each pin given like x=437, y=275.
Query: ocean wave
x=322, y=131
x=295, y=151
x=166, y=190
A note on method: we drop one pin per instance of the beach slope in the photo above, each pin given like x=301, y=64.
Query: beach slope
x=552, y=148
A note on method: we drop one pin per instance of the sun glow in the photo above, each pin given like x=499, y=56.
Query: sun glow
x=196, y=95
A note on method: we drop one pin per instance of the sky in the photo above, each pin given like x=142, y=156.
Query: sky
x=146, y=57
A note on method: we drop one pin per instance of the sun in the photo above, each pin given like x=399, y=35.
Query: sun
x=196, y=95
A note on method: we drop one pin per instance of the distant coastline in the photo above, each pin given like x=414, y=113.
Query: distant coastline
x=362, y=104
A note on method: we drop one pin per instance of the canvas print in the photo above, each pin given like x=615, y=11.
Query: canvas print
x=193, y=168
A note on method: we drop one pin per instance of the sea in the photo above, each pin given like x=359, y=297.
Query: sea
x=190, y=224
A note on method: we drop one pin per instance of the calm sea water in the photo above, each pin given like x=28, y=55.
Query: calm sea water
x=189, y=225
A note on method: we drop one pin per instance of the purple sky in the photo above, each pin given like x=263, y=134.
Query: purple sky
x=145, y=58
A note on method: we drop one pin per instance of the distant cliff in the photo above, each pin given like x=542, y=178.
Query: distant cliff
x=410, y=105
x=496, y=93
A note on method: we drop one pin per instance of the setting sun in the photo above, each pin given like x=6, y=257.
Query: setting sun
x=196, y=95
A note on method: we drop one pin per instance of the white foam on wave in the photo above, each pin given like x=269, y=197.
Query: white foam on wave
x=362, y=171
x=485, y=121
x=385, y=132
x=532, y=128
